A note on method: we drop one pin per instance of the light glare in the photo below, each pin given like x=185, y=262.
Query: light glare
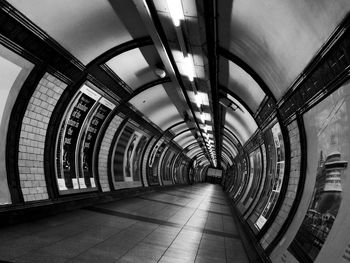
x=176, y=12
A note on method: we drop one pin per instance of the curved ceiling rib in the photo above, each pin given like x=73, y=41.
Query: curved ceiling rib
x=248, y=69
x=227, y=153
x=224, y=92
x=193, y=152
x=240, y=122
x=145, y=61
x=233, y=136
x=185, y=138
x=117, y=50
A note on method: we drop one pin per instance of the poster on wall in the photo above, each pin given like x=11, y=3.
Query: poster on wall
x=275, y=162
x=130, y=158
x=243, y=172
x=71, y=129
x=89, y=139
x=328, y=143
x=167, y=165
x=137, y=158
x=120, y=152
x=154, y=161
x=256, y=167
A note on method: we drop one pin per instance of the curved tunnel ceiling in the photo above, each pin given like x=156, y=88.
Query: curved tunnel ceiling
x=261, y=34
x=155, y=104
x=264, y=34
x=85, y=28
x=136, y=67
x=240, y=121
x=241, y=83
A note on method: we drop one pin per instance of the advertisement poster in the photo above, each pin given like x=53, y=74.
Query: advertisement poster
x=241, y=171
x=327, y=130
x=123, y=149
x=137, y=158
x=275, y=175
x=73, y=125
x=130, y=158
x=166, y=175
x=154, y=161
x=255, y=159
x=88, y=143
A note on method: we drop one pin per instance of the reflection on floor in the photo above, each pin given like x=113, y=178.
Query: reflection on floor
x=184, y=224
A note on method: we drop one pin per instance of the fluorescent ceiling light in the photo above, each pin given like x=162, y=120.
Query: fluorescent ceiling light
x=189, y=67
x=205, y=129
x=176, y=11
x=203, y=117
x=198, y=99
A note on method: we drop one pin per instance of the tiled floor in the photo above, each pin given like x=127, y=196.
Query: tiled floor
x=184, y=224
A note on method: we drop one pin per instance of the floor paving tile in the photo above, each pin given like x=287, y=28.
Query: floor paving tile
x=186, y=224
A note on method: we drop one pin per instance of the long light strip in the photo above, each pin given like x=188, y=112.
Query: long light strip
x=189, y=67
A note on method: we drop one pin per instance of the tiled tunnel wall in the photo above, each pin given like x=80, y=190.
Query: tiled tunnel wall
x=295, y=148
x=33, y=135
x=104, y=151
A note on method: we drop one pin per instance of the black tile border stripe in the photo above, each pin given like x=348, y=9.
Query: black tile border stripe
x=130, y=216
x=160, y=222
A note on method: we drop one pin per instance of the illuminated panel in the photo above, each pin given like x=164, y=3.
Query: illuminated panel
x=14, y=71
x=156, y=105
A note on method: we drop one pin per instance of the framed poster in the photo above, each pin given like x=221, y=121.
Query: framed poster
x=119, y=162
x=256, y=167
x=130, y=158
x=87, y=142
x=274, y=178
x=67, y=170
x=154, y=162
x=137, y=158
x=327, y=127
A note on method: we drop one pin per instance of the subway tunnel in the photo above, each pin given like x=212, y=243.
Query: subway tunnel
x=174, y=131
